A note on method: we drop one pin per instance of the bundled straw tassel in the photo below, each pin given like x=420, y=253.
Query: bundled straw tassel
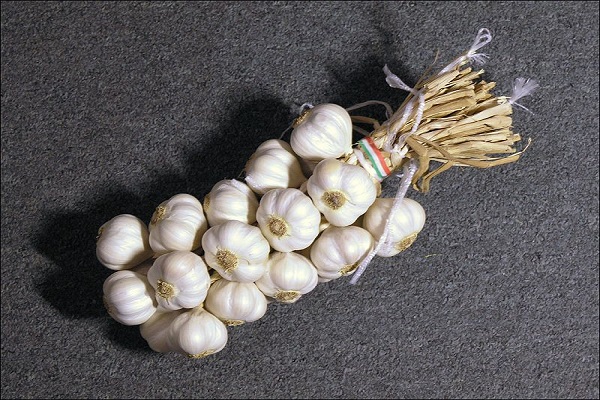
x=462, y=124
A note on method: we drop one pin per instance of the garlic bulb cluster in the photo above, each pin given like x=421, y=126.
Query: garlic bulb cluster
x=123, y=242
x=408, y=221
x=342, y=192
x=128, y=297
x=180, y=280
x=288, y=219
x=339, y=250
x=230, y=200
x=237, y=251
x=177, y=224
x=324, y=131
x=198, y=268
x=274, y=165
x=196, y=333
x=236, y=302
x=288, y=277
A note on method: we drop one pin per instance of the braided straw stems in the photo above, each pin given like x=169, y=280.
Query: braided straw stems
x=462, y=124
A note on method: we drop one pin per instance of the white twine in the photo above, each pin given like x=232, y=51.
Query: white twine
x=388, y=109
x=483, y=37
x=395, y=82
x=409, y=172
x=521, y=88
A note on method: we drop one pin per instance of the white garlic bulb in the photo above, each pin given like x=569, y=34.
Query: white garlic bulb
x=235, y=302
x=229, y=200
x=288, y=277
x=288, y=219
x=324, y=131
x=122, y=242
x=155, y=330
x=408, y=221
x=342, y=192
x=180, y=279
x=237, y=251
x=339, y=250
x=128, y=297
x=273, y=165
x=197, y=333
x=177, y=224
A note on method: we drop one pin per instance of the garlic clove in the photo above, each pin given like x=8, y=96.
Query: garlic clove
x=235, y=302
x=340, y=191
x=324, y=131
x=128, y=297
x=288, y=277
x=177, y=224
x=197, y=333
x=273, y=165
x=229, y=200
x=155, y=330
x=339, y=250
x=122, y=242
x=237, y=251
x=288, y=219
x=408, y=221
x=180, y=280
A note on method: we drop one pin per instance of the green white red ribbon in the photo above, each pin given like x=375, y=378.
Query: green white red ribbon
x=377, y=161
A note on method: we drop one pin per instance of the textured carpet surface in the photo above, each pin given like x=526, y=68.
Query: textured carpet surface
x=111, y=108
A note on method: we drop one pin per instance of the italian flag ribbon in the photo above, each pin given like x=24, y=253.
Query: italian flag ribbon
x=377, y=161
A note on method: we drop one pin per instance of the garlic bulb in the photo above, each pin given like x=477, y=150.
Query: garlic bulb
x=197, y=333
x=338, y=251
x=288, y=219
x=273, y=165
x=342, y=192
x=155, y=330
x=288, y=277
x=177, y=224
x=128, y=297
x=229, y=200
x=235, y=302
x=408, y=221
x=324, y=131
x=237, y=251
x=180, y=279
x=122, y=242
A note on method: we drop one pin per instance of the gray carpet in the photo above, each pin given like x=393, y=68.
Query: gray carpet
x=111, y=108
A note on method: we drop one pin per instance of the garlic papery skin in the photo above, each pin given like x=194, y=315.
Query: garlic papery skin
x=235, y=302
x=237, y=251
x=128, y=297
x=230, y=200
x=288, y=277
x=180, y=280
x=288, y=219
x=408, y=221
x=197, y=333
x=342, y=192
x=156, y=329
x=122, y=242
x=273, y=165
x=177, y=224
x=339, y=250
x=324, y=131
